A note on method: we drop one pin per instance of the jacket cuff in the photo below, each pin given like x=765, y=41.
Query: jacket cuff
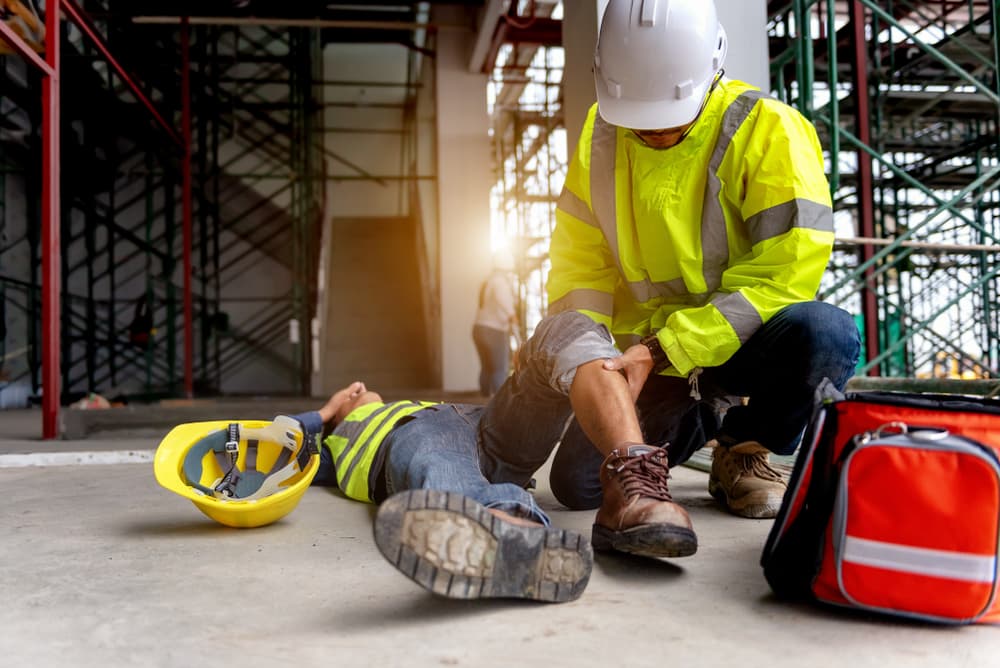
x=678, y=357
x=311, y=422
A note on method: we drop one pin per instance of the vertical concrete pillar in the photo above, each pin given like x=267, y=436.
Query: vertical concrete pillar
x=745, y=22
x=464, y=180
x=580, y=21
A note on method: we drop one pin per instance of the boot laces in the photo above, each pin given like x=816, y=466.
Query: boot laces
x=644, y=475
x=756, y=465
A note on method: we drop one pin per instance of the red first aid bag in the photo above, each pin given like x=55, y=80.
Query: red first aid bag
x=894, y=507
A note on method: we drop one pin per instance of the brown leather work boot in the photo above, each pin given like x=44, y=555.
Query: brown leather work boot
x=638, y=514
x=744, y=482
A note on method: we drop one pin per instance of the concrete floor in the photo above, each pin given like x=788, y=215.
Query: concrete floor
x=100, y=566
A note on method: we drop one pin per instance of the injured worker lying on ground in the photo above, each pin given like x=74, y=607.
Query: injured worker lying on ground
x=441, y=522
x=456, y=515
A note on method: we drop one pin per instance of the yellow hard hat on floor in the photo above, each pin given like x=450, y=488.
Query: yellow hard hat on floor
x=242, y=474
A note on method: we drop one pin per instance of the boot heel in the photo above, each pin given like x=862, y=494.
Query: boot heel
x=601, y=539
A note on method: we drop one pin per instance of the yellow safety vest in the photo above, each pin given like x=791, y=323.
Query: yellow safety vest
x=701, y=243
x=356, y=442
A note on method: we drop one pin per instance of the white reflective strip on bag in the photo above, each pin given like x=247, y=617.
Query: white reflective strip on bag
x=919, y=560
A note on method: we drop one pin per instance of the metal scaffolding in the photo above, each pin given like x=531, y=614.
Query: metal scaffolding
x=906, y=97
x=184, y=169
x=529, y=148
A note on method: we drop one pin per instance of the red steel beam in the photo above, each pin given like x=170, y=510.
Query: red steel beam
x=866, y=208
x=25, y=51
x=86, y=26
x=51, y=381
x=186, y=205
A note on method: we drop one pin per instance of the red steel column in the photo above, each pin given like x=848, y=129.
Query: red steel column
x=866, y=208
x=186, y=200
x=51, y=280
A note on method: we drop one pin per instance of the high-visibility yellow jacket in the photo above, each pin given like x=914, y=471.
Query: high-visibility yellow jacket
x=356, y=444
x=701, y=243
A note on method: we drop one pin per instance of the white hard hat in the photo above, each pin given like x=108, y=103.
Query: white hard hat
x=655, y=61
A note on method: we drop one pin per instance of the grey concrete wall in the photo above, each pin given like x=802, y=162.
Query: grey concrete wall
x=465, y=178
x=374, y=153
x=745, y=22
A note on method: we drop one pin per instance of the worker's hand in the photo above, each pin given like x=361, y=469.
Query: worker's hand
x=339, y=398
x=636, y=363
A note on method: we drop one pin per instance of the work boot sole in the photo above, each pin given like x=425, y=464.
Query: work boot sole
x=453, y=547
x=752, y=506
x=650, y=540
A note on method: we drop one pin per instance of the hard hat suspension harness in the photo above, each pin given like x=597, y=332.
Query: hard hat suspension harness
x=250, y=482
x=227, y=486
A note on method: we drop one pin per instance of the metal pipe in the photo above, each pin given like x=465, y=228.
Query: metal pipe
x=186, y=206
x=834, y=103
x=866, y=211
x=800, y=61
x=983, y=387
x=51, y=219
x=275, y=22
x=359, y=83
x=927, y=245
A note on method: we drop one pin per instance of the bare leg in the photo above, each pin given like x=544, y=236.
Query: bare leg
x=604, y=407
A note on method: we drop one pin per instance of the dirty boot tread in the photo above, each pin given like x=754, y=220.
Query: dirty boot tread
x=453, y=547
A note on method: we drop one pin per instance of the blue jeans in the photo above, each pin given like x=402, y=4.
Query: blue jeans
x=777, y=369
x=437, y=449
x=494, y=357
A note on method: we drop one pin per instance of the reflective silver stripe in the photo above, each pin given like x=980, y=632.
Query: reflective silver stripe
x=361, y=448
x=350, y=432
x=591, y=300
x=576, y=207
x=714, y=237
x=603, y=149
x=740, y=314
x=645, y=290
x=920, y=560
x=674, y=288
x=779, y=219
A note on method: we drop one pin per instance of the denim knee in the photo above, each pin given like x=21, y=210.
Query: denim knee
x=575, y=475
x=830, y=336
x=574, y=495
x=560, y=344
